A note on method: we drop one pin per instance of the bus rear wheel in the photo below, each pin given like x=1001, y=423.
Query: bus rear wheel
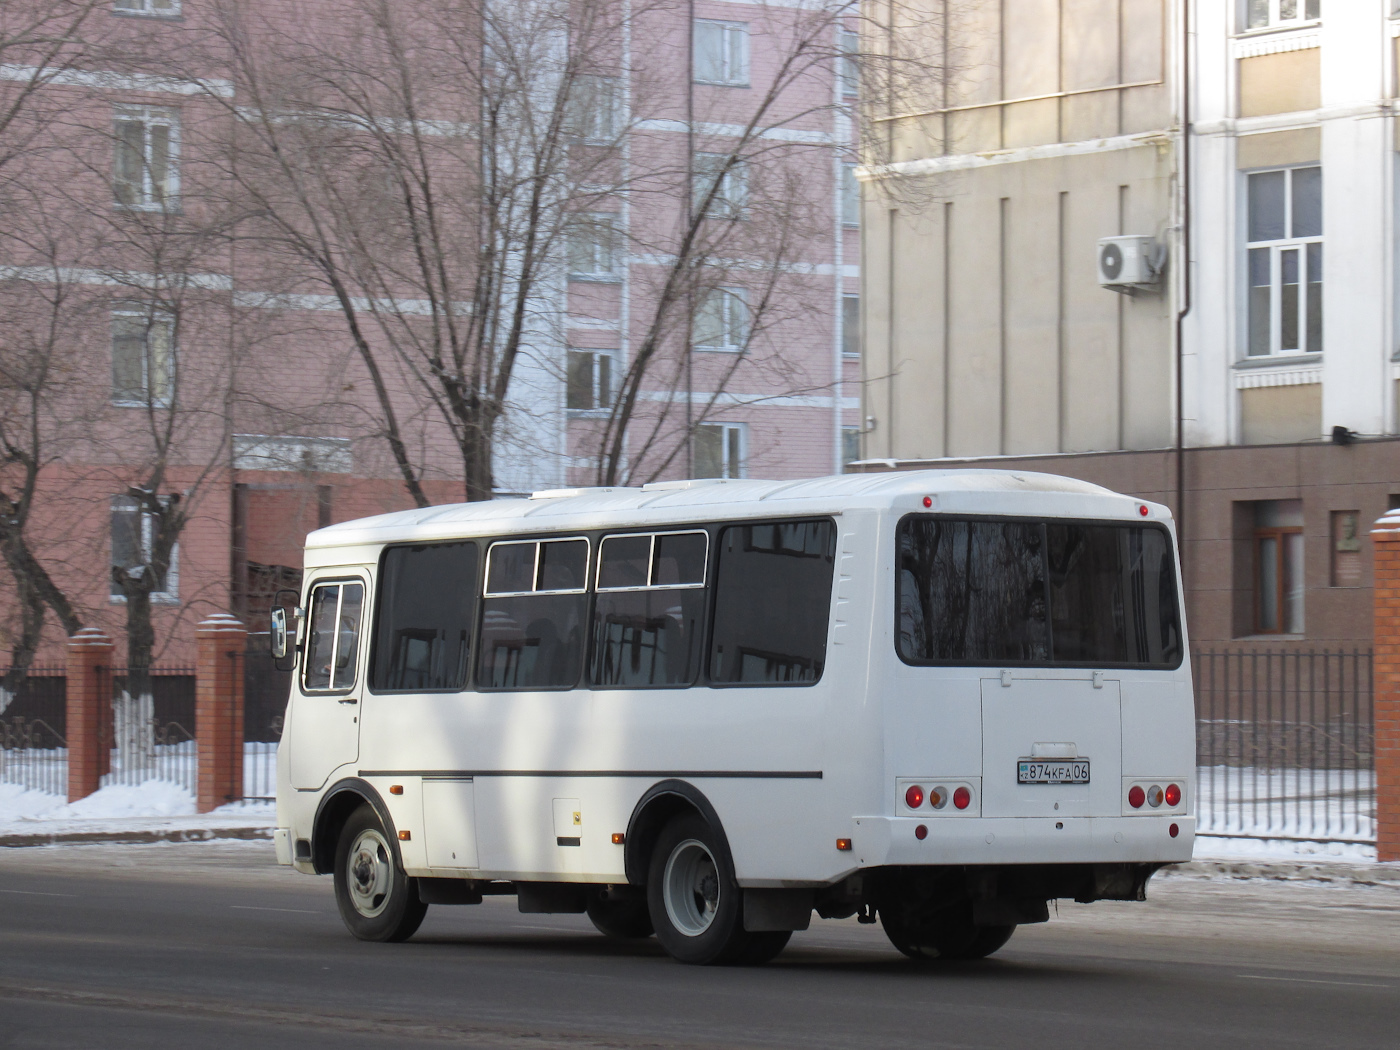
x=949, y=935
x=377, y=901
x=696, y=905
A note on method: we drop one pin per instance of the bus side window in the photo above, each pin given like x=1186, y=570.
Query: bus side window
x=772, y=603
x=332, y=646
x=427, y=608
x=650, y=607
x=532, y=618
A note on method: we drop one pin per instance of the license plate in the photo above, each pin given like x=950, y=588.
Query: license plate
x=1035, y=771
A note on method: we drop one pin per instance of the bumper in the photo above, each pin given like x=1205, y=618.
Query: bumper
x=1023, y=840
x=282, y=842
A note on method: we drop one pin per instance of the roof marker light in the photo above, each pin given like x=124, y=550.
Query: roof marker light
x=1142, y=509
x=928, y=502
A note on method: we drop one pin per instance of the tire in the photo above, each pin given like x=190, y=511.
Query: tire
x=377, y=901
x=628, y=919
x=696, y=905
x=950, y=935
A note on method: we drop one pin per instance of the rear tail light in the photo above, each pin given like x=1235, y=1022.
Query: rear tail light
x=914, y=797
x=1172, y=795
x=1136, y=797
x=1154, y=796
x=962, y=798
x=938, y=797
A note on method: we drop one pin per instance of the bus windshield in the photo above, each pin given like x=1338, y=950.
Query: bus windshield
x=1048, y=593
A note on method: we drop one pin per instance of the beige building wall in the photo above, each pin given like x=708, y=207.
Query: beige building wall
x=985, y=329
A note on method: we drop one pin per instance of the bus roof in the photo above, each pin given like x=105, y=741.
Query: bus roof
x=660, y=503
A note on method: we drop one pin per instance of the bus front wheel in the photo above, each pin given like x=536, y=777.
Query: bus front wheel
x=377, y=901
x=696, y=905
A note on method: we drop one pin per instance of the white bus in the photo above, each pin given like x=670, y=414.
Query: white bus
x=707, y=709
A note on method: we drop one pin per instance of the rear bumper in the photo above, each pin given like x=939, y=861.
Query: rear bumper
x=1022, y=840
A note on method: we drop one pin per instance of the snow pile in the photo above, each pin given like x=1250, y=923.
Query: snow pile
x=20, y=803
x=154, y=798
x=1214, y=848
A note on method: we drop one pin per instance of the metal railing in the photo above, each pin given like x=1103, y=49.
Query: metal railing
x=33, y=731
x=1284, y=745
x=153, y=728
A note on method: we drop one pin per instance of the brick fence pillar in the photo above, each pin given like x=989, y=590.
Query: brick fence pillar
x=222, y=641
x=1386, y=537
x=89, y=711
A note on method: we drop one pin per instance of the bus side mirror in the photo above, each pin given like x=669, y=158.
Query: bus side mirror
x=277, y=635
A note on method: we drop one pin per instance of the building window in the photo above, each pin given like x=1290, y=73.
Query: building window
x=1262, y=14
x=590, y=380
x=1284, y=257
x=721, y=53
x=1278, y=566
x=594, y=109
x=592, y=244
x=732, y=197
x=143, y=357
x=722, y=321
x=145, y=173
x=133, y=535
x=720, y=450
x=848, y=72
x=147, y=7
x=850, y=447
x=850, y=325
x=1346, y=548
x=850, y=196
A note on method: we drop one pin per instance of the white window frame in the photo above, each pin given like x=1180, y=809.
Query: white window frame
x=150, y=8
x=849, y=430
x=600, y=407
x=171, y=594
x=594, y=111
x=848, y=63
x=850, y=195
x=145, y=197
x=1275, y=18
x=734, y=321
x=149, y=317
x=602, y=245
x=846, y=297
x=731, y=201
x=730, y=432
x=1276, y=248
x=733, y=53
x=651, y=584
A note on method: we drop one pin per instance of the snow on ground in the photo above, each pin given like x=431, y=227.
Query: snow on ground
x=1209, y=847
x=22, y=810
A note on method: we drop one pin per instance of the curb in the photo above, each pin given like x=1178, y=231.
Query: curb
x=1334, y=873
x=118, y=837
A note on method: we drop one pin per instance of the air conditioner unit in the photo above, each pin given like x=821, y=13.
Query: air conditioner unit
x=1127, y=262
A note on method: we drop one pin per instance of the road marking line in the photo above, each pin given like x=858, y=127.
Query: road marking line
x=1308, y=980
x=39, y=893
x=296, y=911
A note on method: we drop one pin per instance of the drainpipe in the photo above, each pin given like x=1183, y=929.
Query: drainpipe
x=1185, y=274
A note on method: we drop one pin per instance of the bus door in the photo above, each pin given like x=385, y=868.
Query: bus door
x=1051, y=746
x=325, y=730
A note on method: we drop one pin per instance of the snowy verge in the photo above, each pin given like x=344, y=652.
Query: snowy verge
x=156, y=810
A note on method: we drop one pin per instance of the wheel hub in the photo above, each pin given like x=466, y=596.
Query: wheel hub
x=691, y=888
x=369, y=873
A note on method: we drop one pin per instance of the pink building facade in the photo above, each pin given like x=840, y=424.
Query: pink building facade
x=234, y=374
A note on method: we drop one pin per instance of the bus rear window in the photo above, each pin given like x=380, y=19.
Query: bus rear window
x=1036, y=593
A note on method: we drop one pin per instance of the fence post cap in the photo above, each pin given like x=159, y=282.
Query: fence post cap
x=1387, y=526
x=220, y=622
x=89, y=638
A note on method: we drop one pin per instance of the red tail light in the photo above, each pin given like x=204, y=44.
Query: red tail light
x=962, y=798
x=1173, y=795
x=1136, y=797
x=914, y=797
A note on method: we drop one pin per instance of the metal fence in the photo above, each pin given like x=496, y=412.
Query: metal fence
x=33, y=731
x=1284, y=745
x=265, y=691
x=153, y=728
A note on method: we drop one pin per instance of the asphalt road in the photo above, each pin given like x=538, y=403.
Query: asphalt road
x=210, y=946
